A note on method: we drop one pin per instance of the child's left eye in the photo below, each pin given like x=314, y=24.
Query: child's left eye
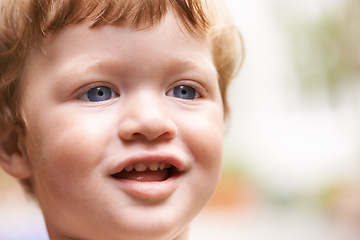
x=98, y=94
x=183, y=92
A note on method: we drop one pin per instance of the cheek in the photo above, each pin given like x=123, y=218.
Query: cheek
x=66, y=150
x=204, y=136
x=204, y=139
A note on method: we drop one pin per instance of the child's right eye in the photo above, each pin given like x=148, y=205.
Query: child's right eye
x=98, y=94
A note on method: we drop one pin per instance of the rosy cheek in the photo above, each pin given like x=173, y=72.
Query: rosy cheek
x=77, y=148
x=66, y=149
x=205, y=137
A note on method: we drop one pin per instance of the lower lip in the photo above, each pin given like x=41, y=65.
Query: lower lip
x=148, y=190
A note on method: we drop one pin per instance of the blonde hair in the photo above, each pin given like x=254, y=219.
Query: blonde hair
x=25, y=23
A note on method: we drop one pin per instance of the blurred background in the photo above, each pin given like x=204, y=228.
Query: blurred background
x=292, y=156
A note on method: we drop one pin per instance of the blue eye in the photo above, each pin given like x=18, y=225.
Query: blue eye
x=97, y=94
x=184, y=92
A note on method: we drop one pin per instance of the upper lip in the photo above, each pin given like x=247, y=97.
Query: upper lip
x=149, y=158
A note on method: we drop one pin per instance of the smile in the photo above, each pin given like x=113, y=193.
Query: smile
x=149, y=176
x=147, y=172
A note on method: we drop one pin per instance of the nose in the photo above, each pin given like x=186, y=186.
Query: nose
x=146, y=118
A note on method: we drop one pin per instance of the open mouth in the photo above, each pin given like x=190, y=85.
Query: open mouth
x=147, y=172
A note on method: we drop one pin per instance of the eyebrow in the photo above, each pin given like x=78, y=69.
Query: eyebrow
x=110, y=66
x=187, y=65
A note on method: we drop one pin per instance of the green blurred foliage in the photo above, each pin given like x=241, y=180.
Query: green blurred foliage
x=326, y=50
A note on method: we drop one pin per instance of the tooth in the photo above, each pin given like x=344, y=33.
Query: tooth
x=167, y=165
x=154, y=166
x=161, y=166
x=140, y=167
x=129, y=168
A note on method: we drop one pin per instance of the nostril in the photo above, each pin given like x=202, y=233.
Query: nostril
x=152, y=136
x=151, y=124
x=167, y=135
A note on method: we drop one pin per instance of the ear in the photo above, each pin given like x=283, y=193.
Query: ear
x=12, y=157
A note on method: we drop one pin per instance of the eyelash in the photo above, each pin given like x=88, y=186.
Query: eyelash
x=200, y=89
x=183, y=91
x=101, y=90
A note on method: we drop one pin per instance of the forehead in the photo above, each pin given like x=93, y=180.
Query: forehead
x=82, y=48
x=171, y=27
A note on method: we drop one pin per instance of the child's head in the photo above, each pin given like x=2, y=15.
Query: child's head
x=112, y=112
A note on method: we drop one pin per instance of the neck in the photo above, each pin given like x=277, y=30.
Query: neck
x=183, y=236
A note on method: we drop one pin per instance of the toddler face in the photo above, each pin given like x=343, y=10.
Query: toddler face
x=124, y=130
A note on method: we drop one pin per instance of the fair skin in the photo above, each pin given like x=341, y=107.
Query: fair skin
x=97, y=101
